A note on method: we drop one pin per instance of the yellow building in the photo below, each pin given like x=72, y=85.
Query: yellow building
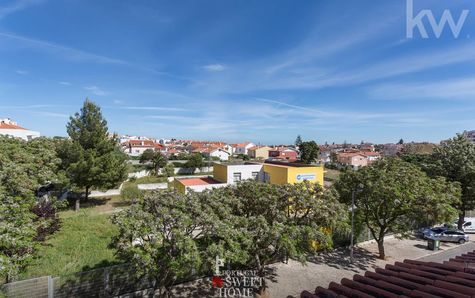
x=283, y=173
x=273, y=172
x=258, y=152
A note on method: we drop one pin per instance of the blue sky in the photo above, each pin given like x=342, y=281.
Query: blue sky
x=263, y=71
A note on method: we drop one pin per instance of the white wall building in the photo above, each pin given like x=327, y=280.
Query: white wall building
x=242, y=148
x=230, y=173
x=221, y=154
x=11, y=128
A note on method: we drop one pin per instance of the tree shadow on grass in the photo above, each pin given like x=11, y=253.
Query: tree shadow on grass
x=340, y=259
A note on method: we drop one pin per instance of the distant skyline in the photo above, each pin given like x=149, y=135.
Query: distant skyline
x=260, y=71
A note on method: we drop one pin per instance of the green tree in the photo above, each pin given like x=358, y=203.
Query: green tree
x=298, y=141
x=17, y=231
x=455, y=160
x=158, y=161
x=309, y=151
x=24, y=167
x=147, y=155
x=131, y=192
x=195, y=162
x=93, y=157
x=167, y=228
x=282, y=220
x=169, y=170
x=401, y=141
x=391, y=195
x=250, y=224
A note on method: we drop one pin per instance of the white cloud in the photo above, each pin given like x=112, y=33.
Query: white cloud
x=65, y=83
x=51, y=114
x=96, y=90
x=22, y=72
x=214, y=67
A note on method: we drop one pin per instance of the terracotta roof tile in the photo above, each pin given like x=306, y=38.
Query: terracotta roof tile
x=453, y=278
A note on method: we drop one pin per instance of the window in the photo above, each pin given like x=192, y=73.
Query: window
x=237, y=177
x=255, y=175
x=467, y=224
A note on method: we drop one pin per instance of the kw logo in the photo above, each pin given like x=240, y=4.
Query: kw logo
x=417, y=21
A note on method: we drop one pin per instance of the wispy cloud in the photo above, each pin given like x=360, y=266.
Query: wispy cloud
x=22, y=72
x=68, y=52
x=17, y=5
x=96, y=90
x=78, y=55
x=65, y=83
x=170, y=109
x=214, y=67
x=51, y=114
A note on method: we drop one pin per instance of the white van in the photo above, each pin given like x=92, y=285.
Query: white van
x=469, y=225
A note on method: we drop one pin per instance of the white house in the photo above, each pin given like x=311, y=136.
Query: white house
x=214, y=152
x=11, y=128
x=220, y=153
x=242, y=148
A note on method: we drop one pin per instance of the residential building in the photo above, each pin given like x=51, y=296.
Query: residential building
x=137, y=147
x=391, y=149
x=371, y=156
x=354, y=159
x=9, y=127
x=259, y=152
x=210, y=152
x=242, y=148
x=283, y=153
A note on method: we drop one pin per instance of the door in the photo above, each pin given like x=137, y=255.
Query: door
x=446, y=236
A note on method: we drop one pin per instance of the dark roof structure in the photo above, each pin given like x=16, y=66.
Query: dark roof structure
x=452, y=279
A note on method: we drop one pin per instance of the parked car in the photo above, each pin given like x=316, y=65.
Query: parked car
x=451, y=236
x=430, y=232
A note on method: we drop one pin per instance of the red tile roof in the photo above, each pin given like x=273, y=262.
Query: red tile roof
x=198, y=181
x=455, y=278
x=140, y=143
x=4, y=125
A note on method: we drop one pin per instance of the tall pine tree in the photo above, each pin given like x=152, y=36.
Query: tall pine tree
x=93, y=158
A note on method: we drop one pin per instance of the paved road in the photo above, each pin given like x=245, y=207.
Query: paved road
x=445, y=255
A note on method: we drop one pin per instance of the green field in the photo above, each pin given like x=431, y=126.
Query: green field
x=80, y=244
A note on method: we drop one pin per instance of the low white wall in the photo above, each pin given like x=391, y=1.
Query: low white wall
x=140, y=174
x=152, y=186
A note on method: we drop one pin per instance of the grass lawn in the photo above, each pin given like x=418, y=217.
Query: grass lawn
x=81, y=244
